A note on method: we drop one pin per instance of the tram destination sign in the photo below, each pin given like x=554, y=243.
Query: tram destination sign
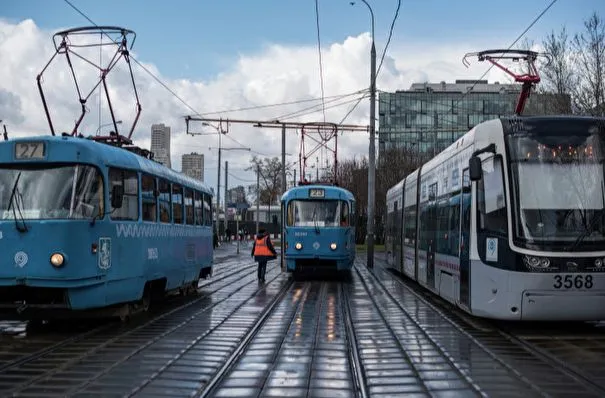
x=317, y=193
x=29, y=150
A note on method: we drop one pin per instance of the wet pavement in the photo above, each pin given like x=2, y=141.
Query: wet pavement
x=369, y=334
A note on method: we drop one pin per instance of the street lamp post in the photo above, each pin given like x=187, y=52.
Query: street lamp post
x=372, y=148
x=106, y=124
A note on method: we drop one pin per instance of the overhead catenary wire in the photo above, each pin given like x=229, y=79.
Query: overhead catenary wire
x=384, y=51
x=389, y=38
x=196, y=112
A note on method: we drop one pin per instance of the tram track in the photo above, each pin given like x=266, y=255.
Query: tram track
x=546, y=374
x=360, y=381
x=409, y=345
x=68, y=354
x=301, y=349
x=31, y=345
x=221, y=375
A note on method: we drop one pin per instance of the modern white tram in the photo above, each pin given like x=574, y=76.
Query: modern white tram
x=508, y=221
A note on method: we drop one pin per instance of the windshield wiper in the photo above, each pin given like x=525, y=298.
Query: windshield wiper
x=16, y=206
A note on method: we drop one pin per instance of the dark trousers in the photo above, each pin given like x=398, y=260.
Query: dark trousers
x=262, y=266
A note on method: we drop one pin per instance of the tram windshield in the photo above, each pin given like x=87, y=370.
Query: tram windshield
x=318, y=213
x=50, y=192
x=559, y=186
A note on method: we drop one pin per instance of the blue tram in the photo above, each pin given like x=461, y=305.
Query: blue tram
x=318, y=231
x=86, y=225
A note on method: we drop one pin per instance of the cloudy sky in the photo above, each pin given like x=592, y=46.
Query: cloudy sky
x=221, y=56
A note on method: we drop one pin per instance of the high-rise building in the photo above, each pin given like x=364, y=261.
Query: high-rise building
x=160, y=143
x=430, y=116
x=193, y=165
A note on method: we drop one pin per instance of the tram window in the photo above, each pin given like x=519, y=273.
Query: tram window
x=130, y=203
x=490, y=198
x=290, y=220
x=207, y=210
x=148, y=188
x=188, y=207
x=199, y=209
x=164, y=200
x=344, y=214
x=177, y=203
x=409, y=225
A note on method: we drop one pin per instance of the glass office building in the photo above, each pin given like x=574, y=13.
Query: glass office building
x=430, y=116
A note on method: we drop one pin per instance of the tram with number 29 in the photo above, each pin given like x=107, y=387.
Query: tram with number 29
x=508, y=221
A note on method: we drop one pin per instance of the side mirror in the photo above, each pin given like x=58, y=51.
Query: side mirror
x=475, y=169
x=117, y=196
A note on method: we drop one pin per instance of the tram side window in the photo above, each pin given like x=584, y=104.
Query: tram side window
x=177, y=203
x=344, y=214
x=490, y=198
x=164, y=200
x=199, y=209
x=188, y=207
x=290, y=215
x=148, y=189
x=130, y=203
x=207, y=209
x=409, y=225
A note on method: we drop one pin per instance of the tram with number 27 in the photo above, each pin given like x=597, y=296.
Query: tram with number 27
x=508, y=221
x=91, y=228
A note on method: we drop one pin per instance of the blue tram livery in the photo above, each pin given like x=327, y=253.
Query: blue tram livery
x=90, y=226
x=318, y=231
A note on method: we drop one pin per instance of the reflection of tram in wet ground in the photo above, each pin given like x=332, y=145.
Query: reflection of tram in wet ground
x=508, y=222
x=318, y=233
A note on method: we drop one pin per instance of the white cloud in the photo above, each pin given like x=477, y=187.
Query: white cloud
x=276, y=74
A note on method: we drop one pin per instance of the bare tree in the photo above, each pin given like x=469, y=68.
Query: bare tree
x=557, y=75
x=589, y=54
x=393, y=165
x=270, y=187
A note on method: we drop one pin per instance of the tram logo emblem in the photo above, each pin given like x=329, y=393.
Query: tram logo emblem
x=316, y=245
x=21, y=259
x=572, y=264
x=104, y=253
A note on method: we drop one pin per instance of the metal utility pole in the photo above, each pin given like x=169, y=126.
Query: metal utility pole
x=237, y=229
x=372, y=149
x=283, y=159
x=218, y=184
x=226, y=183
x=257, y=197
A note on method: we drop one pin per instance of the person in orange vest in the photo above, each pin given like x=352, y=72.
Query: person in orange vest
x=263, y=251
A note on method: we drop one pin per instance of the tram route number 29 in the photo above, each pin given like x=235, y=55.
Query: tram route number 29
x=569, y=281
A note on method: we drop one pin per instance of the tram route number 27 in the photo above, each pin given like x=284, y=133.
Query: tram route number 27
x=570, y=281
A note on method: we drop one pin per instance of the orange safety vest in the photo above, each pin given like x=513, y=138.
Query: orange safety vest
x=261, y=248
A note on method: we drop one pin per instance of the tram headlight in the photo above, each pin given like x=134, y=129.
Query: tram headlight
x=333, y=246
x=298, y=245
x=57, y=260
x=536, y=262
x=598, y=262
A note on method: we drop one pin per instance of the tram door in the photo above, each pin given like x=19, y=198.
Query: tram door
x=432, y=229
x=465, y=228
x=284, y=219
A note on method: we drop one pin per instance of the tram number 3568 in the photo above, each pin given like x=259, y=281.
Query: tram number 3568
x=569, y=281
